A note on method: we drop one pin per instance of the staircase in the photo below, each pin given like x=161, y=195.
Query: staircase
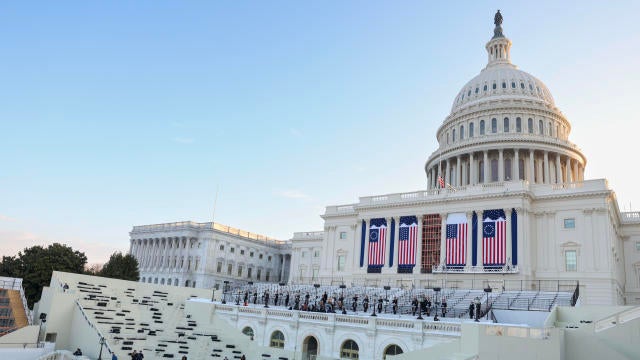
x=17, y=308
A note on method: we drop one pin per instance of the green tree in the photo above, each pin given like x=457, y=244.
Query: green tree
x=36, y=264
x=124, y=267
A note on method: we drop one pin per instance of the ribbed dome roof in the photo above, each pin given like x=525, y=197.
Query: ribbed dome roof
x=500, y=82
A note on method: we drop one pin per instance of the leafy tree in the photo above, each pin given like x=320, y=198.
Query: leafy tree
x=93, y=269
x=124, y=267
x=36, y=264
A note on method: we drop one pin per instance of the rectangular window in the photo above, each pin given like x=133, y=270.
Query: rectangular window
x=239, y=271
x=260, y=257
x=219, y=266
x=251, y=254
x=268, y=276
x=258, y=274
x=471, y=130
x=505, y=126
x=232, y=250
x=229, y=269
x=570, y=223
x=249, y=273
x=241, y=252
x=571, y=260
x=316, y=253
x=341, y=262
x=304, y=254
x=269, y=258
x=315, y=273
x=221, y=247
x=343, y=235
x=637, y=245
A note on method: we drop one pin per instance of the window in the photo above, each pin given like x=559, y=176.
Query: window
x=569, y=223
x=342, y=259
x=504, y=85
x=461, y=132
x=239, y=271
x=637, y=249
x=505, y=125
x=494, y=170
x=470, y=130
x=249, y=272
x=481, y=127
x=540, y=127
x=521, y=85
x=550, y=128
x=494, y=86
x=513, y=84
x=530, y=125
x=258, y=274
x=229, y=269
x=469, y=94
x=477, y=90
x=232, y=250
x=316, y=253
x=251, y=254
x=494, y=125
x=447, y=137
x=571, y=260
x=518, y=125
x=392, y=350
x=304, y=254
x=241, y=252
x=266, y=278
x=315, y=273
x=248, y=331
x=349, y=350
x=221, y=247
x=277, y=340
x=507, y=169
x=485, y=88
x=453, y=137
x=260, y=256
x=481, y=171
x=343, y=235
x=269, y=258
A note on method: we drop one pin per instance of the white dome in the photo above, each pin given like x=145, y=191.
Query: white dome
x=502, y=81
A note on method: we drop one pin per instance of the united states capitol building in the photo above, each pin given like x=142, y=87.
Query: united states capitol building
x=509, y=253
x=505, y=174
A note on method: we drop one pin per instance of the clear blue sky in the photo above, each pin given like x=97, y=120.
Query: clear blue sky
x=121, y=113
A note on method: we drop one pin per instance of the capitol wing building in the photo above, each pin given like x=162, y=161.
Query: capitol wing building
x=506, y=201
x=507, y=207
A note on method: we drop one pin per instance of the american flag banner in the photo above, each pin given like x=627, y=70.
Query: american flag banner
x=408, y=237
x=494, y=237
x=457, y=235
x=377, y=241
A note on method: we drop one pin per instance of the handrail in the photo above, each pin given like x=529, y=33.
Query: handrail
x=86, y=317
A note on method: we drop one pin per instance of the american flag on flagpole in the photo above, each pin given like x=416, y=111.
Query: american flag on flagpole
x=377, y=241
x=407, y=241
x=457, y=236
x=441, y=182
x=494, y=239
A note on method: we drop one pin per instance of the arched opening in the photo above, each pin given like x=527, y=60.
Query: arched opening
x=309, y=348
x=392, y=349
x=277, y=340
x=349, y=350
x=248, y=331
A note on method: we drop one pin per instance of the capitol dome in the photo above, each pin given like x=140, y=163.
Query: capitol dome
x=504, y=126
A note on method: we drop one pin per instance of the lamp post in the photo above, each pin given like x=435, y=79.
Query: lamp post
x=43, y=319
x=488, y=291
x=224, y=291
x=101, y=344
x=375, y=304
x=386, y=297
x=435, y=316
x=316, y=299
x=344, y=309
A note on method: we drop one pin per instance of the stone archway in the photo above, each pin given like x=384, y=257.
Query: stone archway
x=310, y=348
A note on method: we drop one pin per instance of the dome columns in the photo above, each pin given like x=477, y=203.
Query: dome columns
x=506, y=164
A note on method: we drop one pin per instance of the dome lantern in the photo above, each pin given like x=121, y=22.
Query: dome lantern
x=498, y=48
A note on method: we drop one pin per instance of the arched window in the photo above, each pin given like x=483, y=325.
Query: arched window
x=248, y=331
x=477, y=90
x=186, y=283
x=494, y=86
x=469, y=93
x=507, y=169
x=494, y=169
x=447, y=137
x=453, y=136
x=277, y=340
x=541, y=127
x=349, y=350
x=504, y=85
x=155, y=281
x=521, y=169
x=518, y=125
x=392, y=349
x=142, y=279
x=481, y=127
x=494, y=125
x=161, y=281
x=470, y=130
x=175, y=282
x=485, y=88
x=505, y=125
x=550, y=128
x=530, y=125
x=461, y=132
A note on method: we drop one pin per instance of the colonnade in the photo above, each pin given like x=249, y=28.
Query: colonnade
x=482, y=167
x=165, y=252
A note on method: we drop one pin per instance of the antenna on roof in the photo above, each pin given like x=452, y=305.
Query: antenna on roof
x=215, y=203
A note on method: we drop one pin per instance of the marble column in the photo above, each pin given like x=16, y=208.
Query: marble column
x=418, y=267
x=485, y=167
x=500, y=165
x=515, y=174
x=532, y=171
x=458, y=181
x=576, y=176
x=546, y=168
x=447, y=179
x=472, y=170
x=559, y=179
